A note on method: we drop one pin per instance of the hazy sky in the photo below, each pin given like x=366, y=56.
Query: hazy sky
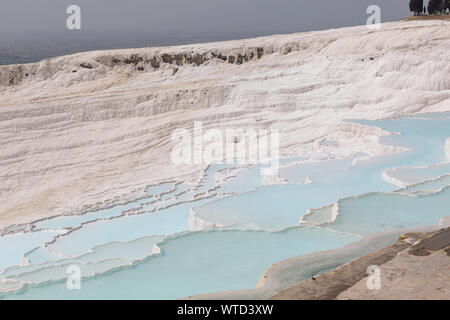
x=180, y=21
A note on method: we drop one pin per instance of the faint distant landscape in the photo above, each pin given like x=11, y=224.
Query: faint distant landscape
x=42, y=46
x=27, y=54
x=42, y=32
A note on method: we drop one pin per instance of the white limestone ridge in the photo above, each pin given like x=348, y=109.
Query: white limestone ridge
x=80, y=130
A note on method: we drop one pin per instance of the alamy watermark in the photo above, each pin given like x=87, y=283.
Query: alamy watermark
x=229, y=146
x=73, y=22
x=374, y=278
x=74, y=279
x=374, y=20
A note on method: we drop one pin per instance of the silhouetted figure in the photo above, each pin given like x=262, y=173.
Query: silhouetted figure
x=416, y=6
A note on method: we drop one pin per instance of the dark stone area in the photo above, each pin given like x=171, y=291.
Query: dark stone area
x=437, y=241
x=133, y=59
x=86, y=65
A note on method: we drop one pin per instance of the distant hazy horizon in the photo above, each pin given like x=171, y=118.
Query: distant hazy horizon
x=32, y=30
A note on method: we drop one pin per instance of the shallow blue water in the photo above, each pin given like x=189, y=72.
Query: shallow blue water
x=200, y=263
x=378, y=212
x=13, y=247
x=277, y=207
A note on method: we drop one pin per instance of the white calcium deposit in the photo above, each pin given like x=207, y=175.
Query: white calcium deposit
x=80, y=130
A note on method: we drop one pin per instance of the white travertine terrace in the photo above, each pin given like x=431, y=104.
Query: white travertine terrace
x=447, y=149
x=81, y=130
